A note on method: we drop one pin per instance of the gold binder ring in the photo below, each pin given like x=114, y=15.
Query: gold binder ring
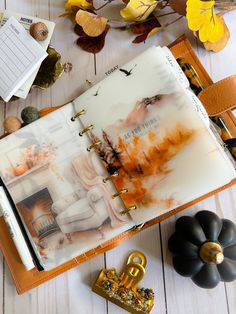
x=77, y=115
x=128, y=209
x=88, y=128
x=113, y=175
x=94, y=145
x=123, y=191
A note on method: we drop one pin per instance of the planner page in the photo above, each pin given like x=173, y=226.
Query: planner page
x=153, y=137
x=59, y=190
x=20, y=55
x=26, y=21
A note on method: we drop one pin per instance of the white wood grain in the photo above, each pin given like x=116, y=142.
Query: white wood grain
x=71, y=84
x=226, y=205
x=69, y=293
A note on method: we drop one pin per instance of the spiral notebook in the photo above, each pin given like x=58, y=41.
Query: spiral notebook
x=131, y=148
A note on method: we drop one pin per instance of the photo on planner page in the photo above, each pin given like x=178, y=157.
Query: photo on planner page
x=58, y=188
x=153, y=136
x=20, y=55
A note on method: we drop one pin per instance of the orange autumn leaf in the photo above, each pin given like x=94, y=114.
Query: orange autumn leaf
x=92, y=24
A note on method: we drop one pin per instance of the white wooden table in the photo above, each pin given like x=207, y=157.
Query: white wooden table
x=71, y=293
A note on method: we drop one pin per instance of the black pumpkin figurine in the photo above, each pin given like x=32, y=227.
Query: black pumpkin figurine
x=204, y=248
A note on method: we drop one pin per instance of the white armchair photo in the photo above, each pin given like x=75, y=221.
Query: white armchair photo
x=74, y=214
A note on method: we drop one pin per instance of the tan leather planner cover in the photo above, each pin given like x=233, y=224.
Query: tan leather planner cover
x=26, y=280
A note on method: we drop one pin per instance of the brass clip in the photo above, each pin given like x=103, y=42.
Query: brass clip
x=122, y=289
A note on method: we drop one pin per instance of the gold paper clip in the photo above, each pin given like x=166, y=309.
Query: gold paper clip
x=122, y=289
x=77, y=115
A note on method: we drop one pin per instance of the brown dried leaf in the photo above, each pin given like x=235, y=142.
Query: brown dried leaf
x=145, y=27
x=79, y=30
x=92, y=24
x=139, y=39
x=178, y=6
x=220, y=44
x=93, y=44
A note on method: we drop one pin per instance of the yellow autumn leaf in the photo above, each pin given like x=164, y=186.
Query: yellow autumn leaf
x=92, y=24
x=201, y=17
x=154, y=31
x=77, y=3
x=138, y=10
x=220, y=44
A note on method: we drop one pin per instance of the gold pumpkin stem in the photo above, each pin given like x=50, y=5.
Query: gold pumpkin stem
x=211, y=253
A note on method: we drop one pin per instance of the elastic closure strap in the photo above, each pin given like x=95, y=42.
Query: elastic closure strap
x=220, y=96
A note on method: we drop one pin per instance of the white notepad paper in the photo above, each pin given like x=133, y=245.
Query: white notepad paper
x=26, y=21
x=20, y=55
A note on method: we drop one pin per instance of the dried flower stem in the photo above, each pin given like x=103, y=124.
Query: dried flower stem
x=104, y=5
x=168, y=24
x=173, y=12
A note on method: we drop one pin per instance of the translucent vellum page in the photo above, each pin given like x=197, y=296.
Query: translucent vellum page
x=153, y=136
x=58, y=188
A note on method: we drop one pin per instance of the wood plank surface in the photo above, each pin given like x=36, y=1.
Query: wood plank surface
x=71, y=293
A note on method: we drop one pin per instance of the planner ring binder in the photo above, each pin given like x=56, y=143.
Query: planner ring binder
x=128, y=209
x=86, y=129
x=113, y=175
x=123, y=191
x=78, y=114
x=94, y=145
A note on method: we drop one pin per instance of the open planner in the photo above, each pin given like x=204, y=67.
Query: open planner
x=131, y=148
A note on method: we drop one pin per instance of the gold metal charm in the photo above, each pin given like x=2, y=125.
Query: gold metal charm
x=122, y=289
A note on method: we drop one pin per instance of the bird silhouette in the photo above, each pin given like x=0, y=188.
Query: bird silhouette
x=127, y=73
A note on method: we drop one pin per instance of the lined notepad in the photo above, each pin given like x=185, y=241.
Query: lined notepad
x=26, y=21
x=20, y=55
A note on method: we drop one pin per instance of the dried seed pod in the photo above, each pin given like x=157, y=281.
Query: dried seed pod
x=11, y=124
x=39, y=31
